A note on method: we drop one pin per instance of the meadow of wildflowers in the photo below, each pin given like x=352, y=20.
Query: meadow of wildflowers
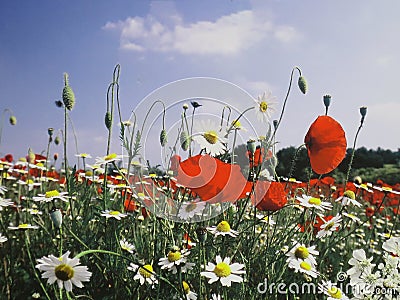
x=200, y=226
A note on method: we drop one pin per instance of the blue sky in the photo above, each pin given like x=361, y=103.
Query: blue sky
x=348, y=49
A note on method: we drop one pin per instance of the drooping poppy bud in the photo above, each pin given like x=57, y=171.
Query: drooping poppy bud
x=185, y=140
x=57, y=140
x=326, y=144
x=302, y=83
x=56, y=217
x=163, y=137
x=108, y=120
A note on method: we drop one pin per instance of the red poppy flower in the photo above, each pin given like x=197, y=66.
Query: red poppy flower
x=9, y=158
x=258, y=157
x=273, y=196
x=175, y=161
x=130, y=205
x=213, y=180
x=326, y=144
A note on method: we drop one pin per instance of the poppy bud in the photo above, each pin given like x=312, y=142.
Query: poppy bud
x=13, y=120
x=251, y=146
x=363, y=111
x=275, y=123
x=108, y=120
x=56, y=217
x=57, y=140
x=55, y=156
x=68, y=95
x=302, y=83
x=185, y=140
x=195, y=104
x=50, y=131
x=58, y=103
x=327, y=100
x=163, y=137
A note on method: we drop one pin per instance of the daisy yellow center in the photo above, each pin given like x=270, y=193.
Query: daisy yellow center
x=329, y=226
x=89, y=173
x=114, y=213
x=263, y=106
x=305, y=266
x=302, y=252
x=39, y=165
x=186, y=287
x=51, y=194
x=334, y=292
x=223, y=226
x=350, y=194
x=83, y=155
x=222, y=270
x=191, y=207
x=29, y=181
x=236, y=124
x=174, y=256
x=211, y=137
x=146, y=271
x=314, y=201
x=110, y=156
x=64, y=272
x=23, y=226
x=387, y=189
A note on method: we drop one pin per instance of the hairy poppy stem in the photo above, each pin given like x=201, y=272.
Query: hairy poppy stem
x=353, y=151
x=284, y=102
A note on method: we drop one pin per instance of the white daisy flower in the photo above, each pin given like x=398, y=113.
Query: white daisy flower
x=303, y=267
x=360, y=263
x=113, y=214
x=215, y=297
x=209, y=138
x=224, y=271
x=125, y=245
x=107, y=159
x=223, y=228
x=265, y=106
x=190, y=209
x=329, y=227
x=83, y=155
x=351, y=216
x=175, y=258
x=143, y=274
x=23, y=227
x=2, y=238
x=50, y=196
x=3, y=189
x=5, y=203
x=332, y=291
x=349, y=197
x=188, y=293
x=302, y=253
x=312, y=202
x=392, y=245
x=64, y=270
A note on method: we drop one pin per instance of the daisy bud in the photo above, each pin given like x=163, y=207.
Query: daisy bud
x=185, y=140
x=163, y=137
x=57, y=140
x=56, y=217
x=108, y=120
x=50, y=131
x=357, y=180
x=302, y=84
x=185, y=106
x=13, y=120
x=31, y=156
x=68, y=95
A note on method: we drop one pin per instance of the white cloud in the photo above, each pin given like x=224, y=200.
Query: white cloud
x=228, y=35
